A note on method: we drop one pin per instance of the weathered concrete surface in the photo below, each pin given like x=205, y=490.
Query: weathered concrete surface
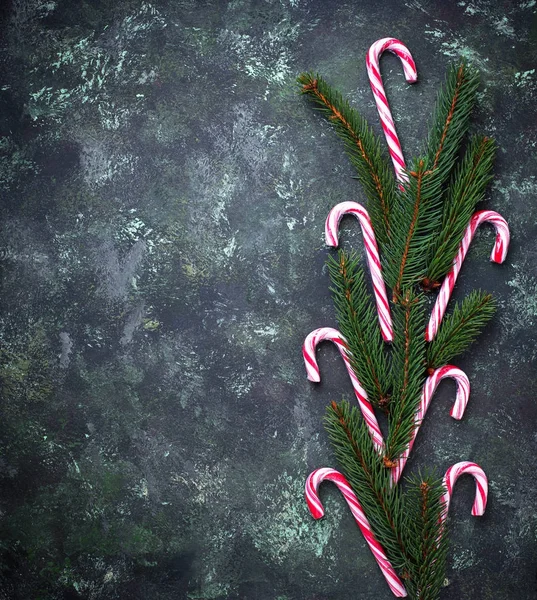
x=162, y=260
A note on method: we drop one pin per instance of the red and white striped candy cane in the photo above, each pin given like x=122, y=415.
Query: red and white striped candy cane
x=481, y=486
x=429, y=388
x=312, y=369
x=317, y=511
x=499, y=252
x=372, y=253
x=373, y=71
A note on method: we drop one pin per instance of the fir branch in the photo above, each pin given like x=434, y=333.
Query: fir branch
x=425, y=535
x=459, y=329
x=363, y=148
x=467, y=189
x=408, y=373
x=358, y=322
x=419, y=229
x=454, y=105
x=419, y=211
x=370, y=480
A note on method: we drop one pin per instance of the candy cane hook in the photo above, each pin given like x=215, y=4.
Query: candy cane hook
x=499, y=253
x=373, y=258
x=481, y=486
x=312, y=370
x=429, y=388
x=373, y=71
x=317, y=511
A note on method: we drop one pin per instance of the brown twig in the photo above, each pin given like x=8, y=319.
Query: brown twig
x=454, y=100
x=407, y=304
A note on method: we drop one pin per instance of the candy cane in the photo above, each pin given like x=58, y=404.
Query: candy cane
x=317, y=511
x=499, y=252
x=429, y=388
x=312, y=369
x=383, y=108
x=372, y=253
x=481, y=486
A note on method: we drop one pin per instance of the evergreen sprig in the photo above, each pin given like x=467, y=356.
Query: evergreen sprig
x=450, y=123
x=363, y=148
x=467, y=189
x=424, y=535
x=358, y=322
x=371, y=481
x=460, y=328
x=420, y=209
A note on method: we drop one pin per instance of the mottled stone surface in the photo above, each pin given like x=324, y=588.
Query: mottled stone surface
x=161, y=246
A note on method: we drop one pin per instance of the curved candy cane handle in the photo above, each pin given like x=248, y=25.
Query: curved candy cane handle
x=317, y=511
x=429, y=388
x=312, y=369
x=383, y=108
x=499, y=253
x=372, y=253
x=481, y=486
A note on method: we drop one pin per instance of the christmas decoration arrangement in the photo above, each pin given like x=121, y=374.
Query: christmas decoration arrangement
x=417, y=230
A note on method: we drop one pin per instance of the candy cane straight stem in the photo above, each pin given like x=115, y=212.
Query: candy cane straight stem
x=372, y=254
x=429, y=388
x=373, y=71
x=317, y=511
x=481, y=486
x=499, y=252
x=312, y=370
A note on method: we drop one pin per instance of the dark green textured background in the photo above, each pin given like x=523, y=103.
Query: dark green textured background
x=161, y=245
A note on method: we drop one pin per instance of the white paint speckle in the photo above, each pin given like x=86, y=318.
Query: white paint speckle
x=525, y=78
x=229, y=250
x=267, y=331
x=265, y=56
x=66, y=349
x=291, y=224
